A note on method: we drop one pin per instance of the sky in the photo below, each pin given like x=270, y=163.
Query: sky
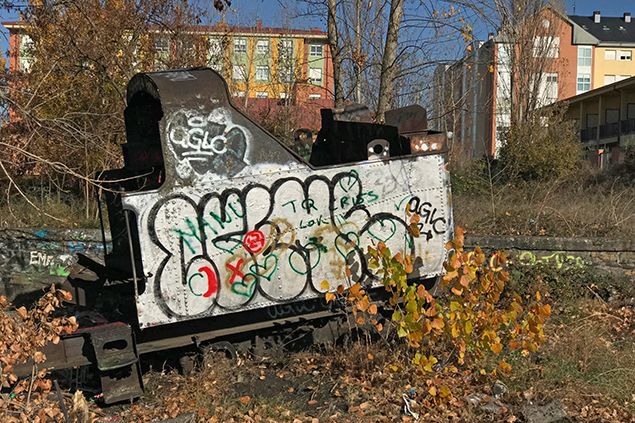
x=285, y=13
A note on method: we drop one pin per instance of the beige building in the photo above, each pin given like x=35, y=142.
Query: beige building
x=606, y=46
x=475, y=96
x=606, y=118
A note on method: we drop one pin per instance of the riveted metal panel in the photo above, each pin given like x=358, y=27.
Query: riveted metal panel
x=241, y=223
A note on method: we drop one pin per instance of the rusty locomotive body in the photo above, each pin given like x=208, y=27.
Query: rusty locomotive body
x=218, y=228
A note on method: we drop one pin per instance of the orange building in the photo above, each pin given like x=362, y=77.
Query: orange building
x=265, y=67
x=474, y=98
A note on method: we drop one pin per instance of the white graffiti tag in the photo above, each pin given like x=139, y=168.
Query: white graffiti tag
x=207, y=143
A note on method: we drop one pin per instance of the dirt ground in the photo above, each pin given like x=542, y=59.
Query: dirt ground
x=585, y=371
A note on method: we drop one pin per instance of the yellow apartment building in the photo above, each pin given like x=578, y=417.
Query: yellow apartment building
x=606, y=46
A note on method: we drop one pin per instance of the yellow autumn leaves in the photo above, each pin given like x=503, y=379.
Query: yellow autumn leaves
x=475, y=317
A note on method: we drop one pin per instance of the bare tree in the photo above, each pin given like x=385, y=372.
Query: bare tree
x=335, y=52
x=389, y=60
x=414, y=32
x=66, y=107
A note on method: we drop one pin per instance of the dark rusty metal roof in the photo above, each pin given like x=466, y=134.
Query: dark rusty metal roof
x=608, y=30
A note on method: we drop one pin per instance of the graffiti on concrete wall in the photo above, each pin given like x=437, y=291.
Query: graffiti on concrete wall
x=255, y=242
x=58, y=264
x=33, y=259
x=557, y=259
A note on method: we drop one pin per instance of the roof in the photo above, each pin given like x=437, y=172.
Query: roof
x=255, y=30
x=616, y=86
x=608, y=30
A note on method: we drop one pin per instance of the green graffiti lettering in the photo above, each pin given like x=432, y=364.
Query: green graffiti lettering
x=59, y=270
x=185, y=236
x=267, y=268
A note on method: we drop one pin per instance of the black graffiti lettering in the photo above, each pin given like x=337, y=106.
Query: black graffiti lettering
x=228, y=225
x=428, y=215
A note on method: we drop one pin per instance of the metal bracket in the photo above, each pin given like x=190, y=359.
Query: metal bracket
x=117, y=362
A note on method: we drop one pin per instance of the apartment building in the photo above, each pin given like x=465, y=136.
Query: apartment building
x=263, y=66
x=475, y=97
x=605, y=49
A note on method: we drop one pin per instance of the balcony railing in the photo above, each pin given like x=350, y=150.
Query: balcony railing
x=588, y=134
x=609, y=130
x=628, y=126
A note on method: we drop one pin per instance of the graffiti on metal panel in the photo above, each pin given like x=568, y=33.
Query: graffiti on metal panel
x=429, y=217
x=277, y=241
x=558, y=259
x=207, y=142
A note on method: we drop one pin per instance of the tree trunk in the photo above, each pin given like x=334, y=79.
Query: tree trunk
x=335, y=53
x=388, y=65
x=358, y=58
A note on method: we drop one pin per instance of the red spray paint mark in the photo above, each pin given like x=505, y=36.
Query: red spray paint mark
x=212, y=283
x=254, y=241
x=235, y=269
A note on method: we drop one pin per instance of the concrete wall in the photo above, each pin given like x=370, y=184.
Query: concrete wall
x=617, y=256
x=33, y=259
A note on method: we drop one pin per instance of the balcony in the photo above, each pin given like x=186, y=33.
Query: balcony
x=609, y=130
x=628, y=126
x=588, y=134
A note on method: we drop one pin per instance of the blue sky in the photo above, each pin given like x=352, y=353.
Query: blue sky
x=284, y=13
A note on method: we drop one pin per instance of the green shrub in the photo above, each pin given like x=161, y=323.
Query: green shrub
x=544, y=146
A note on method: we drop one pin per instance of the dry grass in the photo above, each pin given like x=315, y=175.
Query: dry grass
x=51, y=213
x=560, y=208
x=588, y=365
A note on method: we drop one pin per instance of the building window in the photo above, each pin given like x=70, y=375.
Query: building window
x=262, y=73
x=546, y=47
x=609, y=54
x=548, y=89
x=315, y=50
x=285, y=61
x=26, y=52
x=285, y=73
x=238, y=73
x=262, y=47
x=240, y=45
x=262, y=94
x=621, y=77
x=584, y=82
x=162, y=48
x=215, y=54
x=609, y=79
x=286, y=49
x=283, y=95
x=315, y=76
x=185, y=47
x=625, y=55
x=214, y=48
x=240, y=93
x=314, y=96
x=585, y=55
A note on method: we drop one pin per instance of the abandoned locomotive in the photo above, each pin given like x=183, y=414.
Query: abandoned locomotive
x=218, y=228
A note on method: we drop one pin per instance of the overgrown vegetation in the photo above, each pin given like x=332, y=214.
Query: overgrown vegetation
x=66, y=110
x=489, y=200
x=473, y=317
x=544, y=146
x=585, y=363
